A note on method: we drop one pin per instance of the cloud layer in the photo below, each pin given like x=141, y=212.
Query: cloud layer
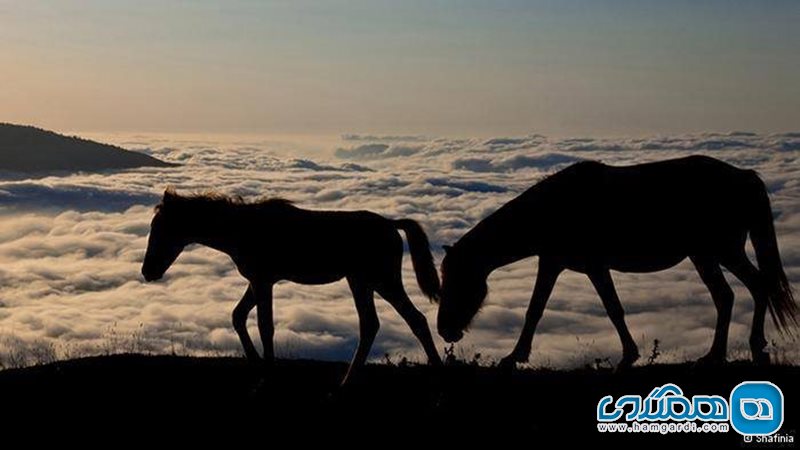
x=71, y=249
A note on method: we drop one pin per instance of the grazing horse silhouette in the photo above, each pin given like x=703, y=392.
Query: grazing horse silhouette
x=593, y=218
x=273, y=240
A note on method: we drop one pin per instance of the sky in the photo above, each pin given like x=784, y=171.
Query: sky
x=454, y=68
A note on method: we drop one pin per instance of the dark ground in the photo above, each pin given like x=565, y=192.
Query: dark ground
x=137, y=394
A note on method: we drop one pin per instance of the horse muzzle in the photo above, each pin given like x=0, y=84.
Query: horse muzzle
x=149, y=276
x=451, y=336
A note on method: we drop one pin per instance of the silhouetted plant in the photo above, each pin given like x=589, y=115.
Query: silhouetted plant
x=288, y=348
x=135, y=344
x=476, y=359
x=586, y=354
x=111, y=341
x=450, y=355
x=603, y=363
x=22, y=353
x=465, y=357
x=654, y=353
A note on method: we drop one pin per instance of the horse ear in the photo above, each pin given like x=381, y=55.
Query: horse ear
x=170, y=194
x=447, y=248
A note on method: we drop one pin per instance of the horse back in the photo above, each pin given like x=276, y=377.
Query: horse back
x=683, y=206
x=640, y=217
x=320, y=246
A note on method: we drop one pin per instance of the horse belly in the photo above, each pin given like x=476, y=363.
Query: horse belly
x=644, y=264
x=327, y=264
x=311, y=277
x=620, y=263
x=642, y=248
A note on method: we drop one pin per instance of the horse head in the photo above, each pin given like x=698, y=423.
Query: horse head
x=166, y=241
x=463, y=292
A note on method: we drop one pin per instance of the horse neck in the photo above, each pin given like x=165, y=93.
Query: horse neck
x=491, y=257
x=493, y=243
x=215, y=229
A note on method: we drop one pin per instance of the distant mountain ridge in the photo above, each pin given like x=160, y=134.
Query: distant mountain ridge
x=29, y=149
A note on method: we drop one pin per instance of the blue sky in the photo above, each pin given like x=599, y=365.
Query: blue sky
x=612, y=67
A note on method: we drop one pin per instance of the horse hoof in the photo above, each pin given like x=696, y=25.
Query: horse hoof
x=761, y=359
x=507, y=365
x=626, y=363
x=435, y=362
x=623, y=367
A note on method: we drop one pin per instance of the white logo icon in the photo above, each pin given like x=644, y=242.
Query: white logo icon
x=763, y=408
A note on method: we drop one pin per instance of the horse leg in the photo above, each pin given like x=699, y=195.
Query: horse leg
x=262, y=292
x=604, y=285
x=394, y=293
x=240, y=313
x=741, y=267
x=721, y=293
x=368, y=325
x=545, y=280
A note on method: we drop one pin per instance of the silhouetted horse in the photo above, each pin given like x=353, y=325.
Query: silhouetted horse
x=273, y=240
x=593, y=218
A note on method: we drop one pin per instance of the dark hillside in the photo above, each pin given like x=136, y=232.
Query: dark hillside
x=29, y=149
x=128, y=392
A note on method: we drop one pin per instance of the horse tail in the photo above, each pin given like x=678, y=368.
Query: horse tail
x=421, y=257
x=781, y=304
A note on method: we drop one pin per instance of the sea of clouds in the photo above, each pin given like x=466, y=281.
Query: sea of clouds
x=71, y=249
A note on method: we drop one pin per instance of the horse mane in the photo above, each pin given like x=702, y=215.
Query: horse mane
x=215, y=199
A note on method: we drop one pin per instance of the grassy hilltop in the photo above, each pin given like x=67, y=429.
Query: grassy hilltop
x=132, y=391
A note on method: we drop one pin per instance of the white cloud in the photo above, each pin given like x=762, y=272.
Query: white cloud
x=71, y=249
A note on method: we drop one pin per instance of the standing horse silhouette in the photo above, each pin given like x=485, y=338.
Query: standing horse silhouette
x=273, y=240
x=593, y=218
